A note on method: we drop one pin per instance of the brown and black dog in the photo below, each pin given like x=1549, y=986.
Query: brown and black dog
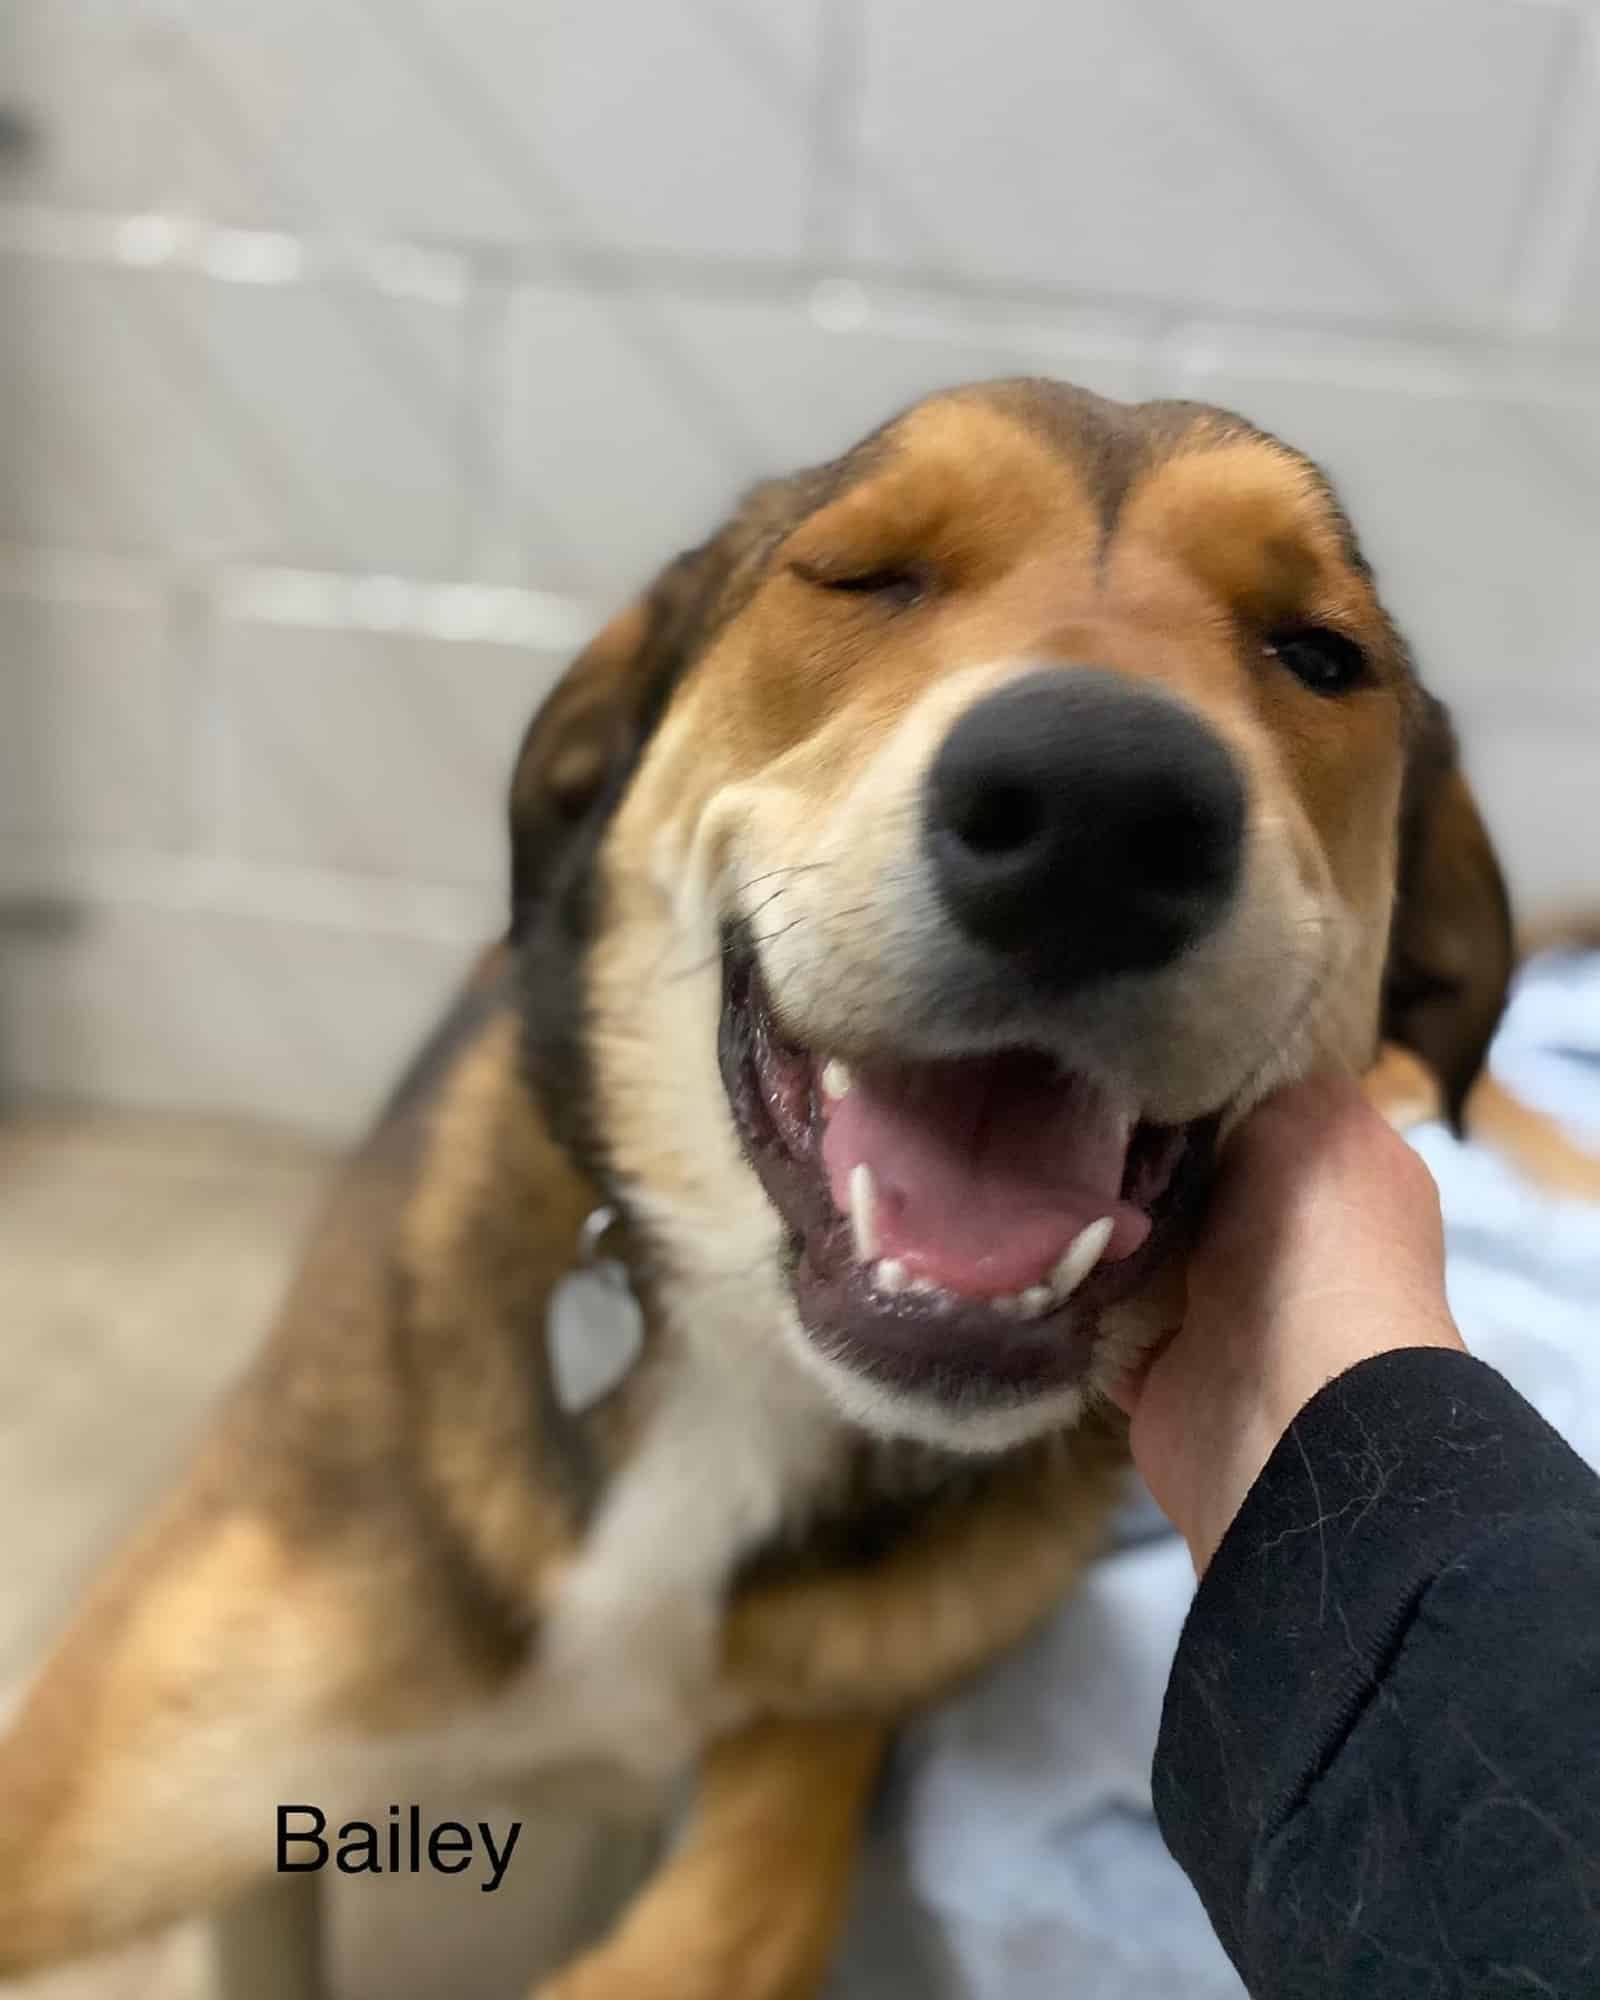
x=909, y=892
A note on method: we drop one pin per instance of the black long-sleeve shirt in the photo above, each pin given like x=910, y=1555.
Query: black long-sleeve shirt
x=1379, y=1759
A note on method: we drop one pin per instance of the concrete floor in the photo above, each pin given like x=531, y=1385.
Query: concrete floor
x=140, y=1261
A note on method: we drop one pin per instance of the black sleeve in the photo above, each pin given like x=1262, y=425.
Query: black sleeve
x=1379, y=1759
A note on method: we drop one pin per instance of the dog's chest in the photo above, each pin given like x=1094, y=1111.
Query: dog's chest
x=626, y=1668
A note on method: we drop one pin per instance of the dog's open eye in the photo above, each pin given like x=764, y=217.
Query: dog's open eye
x=897, y=585
x=1325, y=660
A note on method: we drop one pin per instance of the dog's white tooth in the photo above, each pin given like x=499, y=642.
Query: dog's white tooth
x=1080, y=1257
x=1008, y=1303
x=922, y=1285
x=836, y=1078
x=890, y=1276
x=864, y=1212
x=1035, y=1300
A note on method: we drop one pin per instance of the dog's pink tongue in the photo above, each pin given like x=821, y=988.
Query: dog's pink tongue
x=983, y=1171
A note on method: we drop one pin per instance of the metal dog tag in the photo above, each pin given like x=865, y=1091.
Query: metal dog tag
x=594, y=1326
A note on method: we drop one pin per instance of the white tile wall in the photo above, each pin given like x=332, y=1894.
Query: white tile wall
x=1371, y=161
x=92, y=739
x=1536, y=773
x=140, y=1005
x=1413, y=134
x=1584, y=311
x=639, y=418
x=93, y=77
x=467, y=314
x=608, y=122
x=426, y=731
x=808, y=374
x=163, y=411
x=620, y=449
x=1478, y=506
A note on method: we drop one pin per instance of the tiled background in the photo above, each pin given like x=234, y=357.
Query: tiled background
x=358, y=354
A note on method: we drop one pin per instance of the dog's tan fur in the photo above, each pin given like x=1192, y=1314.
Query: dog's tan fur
x=393, y=1559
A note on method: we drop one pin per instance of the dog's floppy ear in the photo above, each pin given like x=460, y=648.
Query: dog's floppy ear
x=1451, y=950
x=587, y=736
x=582, y=745
x=575, y=764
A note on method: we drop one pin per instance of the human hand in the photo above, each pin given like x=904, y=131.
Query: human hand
x=1323, y=1247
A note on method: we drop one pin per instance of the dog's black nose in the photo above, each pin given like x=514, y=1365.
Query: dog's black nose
x=1084, y=825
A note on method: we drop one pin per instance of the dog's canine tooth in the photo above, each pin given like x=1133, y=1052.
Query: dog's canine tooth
x=864, y=1212
x=890, y=1276
x=836, y=1078
x=1080, y=1258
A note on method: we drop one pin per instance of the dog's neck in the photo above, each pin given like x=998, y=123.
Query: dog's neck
x=715, y=1372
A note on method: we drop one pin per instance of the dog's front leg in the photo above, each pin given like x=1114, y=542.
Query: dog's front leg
x=222, y=1667
x=749, y=1903
x=887, y=1636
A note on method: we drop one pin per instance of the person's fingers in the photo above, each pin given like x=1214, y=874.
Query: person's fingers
x=1322, y=1245
x=1126, y=1389
x=1316, y=1186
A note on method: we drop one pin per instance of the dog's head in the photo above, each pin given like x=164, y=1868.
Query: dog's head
x=916, y=883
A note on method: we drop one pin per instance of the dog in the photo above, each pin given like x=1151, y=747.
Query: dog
x=909, y=894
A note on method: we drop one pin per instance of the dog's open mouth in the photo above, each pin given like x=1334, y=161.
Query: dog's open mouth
x=955, y=1226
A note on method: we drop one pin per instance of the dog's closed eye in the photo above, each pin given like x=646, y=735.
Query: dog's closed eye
x=897, y=585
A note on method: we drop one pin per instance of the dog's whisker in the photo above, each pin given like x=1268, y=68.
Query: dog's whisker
x=767, y=902
x=822, y=922
x=710, y=958
x=783, y=930
x=768, y=874
x=692, y=971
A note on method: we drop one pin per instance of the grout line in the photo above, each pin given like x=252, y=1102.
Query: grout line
x=509, y=150
x=1564, y=195
x=54, y=880
x=409, y=269
x=205, y=752
x=488, y=614
x=485, y=614
x=64, y=576
x=167, y=239
x=486, y=420
x=835, y=117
